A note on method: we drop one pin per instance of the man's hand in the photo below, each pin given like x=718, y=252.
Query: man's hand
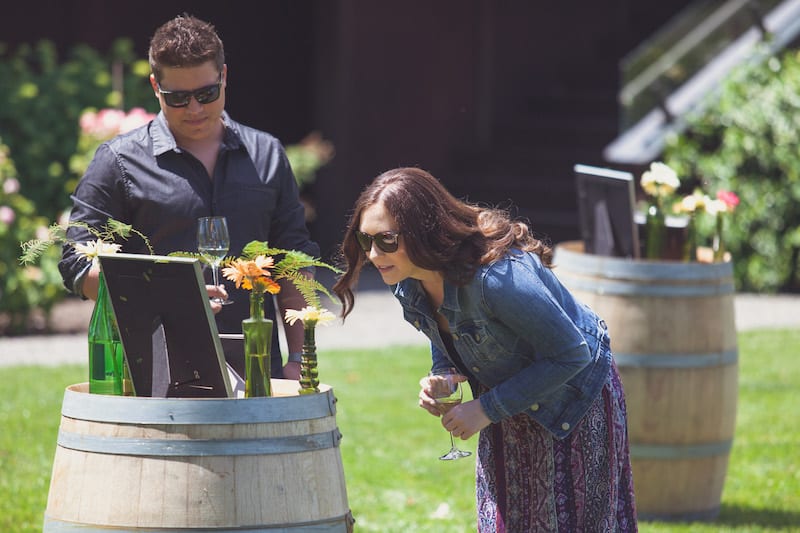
x=216, y=292
x=291, y=370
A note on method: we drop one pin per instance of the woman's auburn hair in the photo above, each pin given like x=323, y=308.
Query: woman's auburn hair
x=439, y=231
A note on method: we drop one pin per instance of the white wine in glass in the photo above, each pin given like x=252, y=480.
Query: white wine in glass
x=446, y=390
x=213, y=243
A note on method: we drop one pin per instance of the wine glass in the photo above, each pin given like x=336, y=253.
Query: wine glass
x=446, y=390
x=213, y=243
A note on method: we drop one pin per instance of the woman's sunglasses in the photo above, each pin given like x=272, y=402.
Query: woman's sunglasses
x=386, y=241
x=203, y=95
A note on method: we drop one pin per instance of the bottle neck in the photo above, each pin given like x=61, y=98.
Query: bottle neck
x=256, y=305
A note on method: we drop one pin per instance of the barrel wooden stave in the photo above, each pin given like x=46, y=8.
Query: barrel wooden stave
x=294, y=490
x=673, y=334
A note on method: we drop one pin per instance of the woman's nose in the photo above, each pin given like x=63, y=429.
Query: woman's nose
x=374, y=251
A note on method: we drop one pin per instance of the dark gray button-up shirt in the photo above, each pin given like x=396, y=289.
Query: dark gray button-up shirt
x=144, y=179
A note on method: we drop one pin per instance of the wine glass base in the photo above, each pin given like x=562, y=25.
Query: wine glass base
x=454, y=454
x=220, y=301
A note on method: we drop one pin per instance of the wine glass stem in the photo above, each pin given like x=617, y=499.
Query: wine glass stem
x=214, y=273
x=452, y=441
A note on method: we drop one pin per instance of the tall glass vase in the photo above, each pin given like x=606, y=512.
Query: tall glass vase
x=690, y=240
x=655, y=232
x=106, y=357
x=718, y=244
x=309, y=374
x=257, y=332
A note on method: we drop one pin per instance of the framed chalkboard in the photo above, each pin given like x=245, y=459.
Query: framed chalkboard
x=167, y=329
x=606, y=209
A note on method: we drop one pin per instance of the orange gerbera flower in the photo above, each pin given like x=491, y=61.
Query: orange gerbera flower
x=252, y=274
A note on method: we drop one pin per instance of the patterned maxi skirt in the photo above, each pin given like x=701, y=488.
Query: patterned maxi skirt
x=529, y=481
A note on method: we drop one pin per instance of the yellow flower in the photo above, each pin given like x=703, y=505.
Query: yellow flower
x=92, y=249
x=692, y=203
x=716, y=206
x=252, y=274
x=309, y=315
x=660, y=180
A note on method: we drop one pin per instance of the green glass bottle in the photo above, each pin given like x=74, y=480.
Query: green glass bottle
x=309, y=374
x=106, y=357
x=257, y=332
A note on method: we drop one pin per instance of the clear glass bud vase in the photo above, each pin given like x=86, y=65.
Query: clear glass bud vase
x=309, y=374
x=257, y=332
x=106, y=357
x=718, y=245
x=690, y=242
x=655, y=232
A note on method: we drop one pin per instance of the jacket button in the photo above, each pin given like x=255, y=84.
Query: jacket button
x=565, y=426
x=535, y=407
x=455, y=336
x=416, y=324
x=476, y=369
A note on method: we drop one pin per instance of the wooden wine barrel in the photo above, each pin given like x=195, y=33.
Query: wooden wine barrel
x=147, y=464
x=673, y=335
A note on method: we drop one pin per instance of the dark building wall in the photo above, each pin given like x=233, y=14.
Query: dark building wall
x=499, y=99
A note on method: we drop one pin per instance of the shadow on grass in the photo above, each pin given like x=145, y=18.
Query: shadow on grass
x=739, y=515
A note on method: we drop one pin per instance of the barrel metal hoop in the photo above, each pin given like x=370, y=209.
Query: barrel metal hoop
x=618, y=268
x=678, y=360
x=626, y=288
x=198, y=447
x=143, y=410
x=337, y=524
x=680, y=451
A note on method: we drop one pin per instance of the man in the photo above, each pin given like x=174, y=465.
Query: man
x=192, y=161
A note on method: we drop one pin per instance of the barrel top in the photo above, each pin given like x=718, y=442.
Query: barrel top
x=285, y=406
x=571, y=256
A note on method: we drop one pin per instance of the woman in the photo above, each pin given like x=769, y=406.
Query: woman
x=553, y=449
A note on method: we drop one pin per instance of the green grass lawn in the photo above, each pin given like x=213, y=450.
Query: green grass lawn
x=395, y=482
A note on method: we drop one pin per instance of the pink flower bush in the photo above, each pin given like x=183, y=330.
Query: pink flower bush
x=107, y=123
x=10, y=186
x=7, y=215
x=729, y=198
x=100, y=126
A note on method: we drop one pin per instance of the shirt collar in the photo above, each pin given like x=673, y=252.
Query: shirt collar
x=164, y=141
x=411, y=291
x=450, y=300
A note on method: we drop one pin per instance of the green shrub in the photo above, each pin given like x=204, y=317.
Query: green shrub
x=23, y=291
x=748, y=141
x=41, y=100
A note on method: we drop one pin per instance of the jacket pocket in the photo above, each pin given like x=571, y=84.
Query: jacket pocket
x=474, y=337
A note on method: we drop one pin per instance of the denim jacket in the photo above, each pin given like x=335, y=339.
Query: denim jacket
x=523, y=336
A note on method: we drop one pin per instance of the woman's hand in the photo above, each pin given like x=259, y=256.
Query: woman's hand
x=466, y=419
x=426, y=394
x=216, y=292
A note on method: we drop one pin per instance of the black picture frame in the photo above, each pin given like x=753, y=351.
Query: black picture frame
x=166, y=325
x=606, y=205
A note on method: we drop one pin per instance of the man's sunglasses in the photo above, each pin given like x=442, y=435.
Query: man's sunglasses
x=386, y=241
x=203, y=95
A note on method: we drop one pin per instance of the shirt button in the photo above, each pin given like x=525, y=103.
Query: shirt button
x=565, y=426
x=535, y=407
x=476, y=369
